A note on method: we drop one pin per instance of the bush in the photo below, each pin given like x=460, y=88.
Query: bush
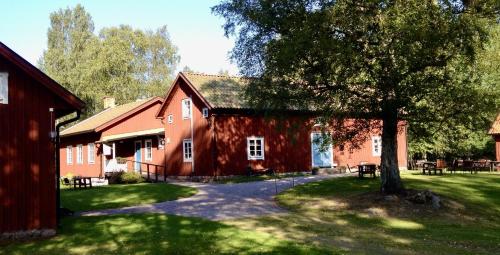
x=131, y=177
x=122, y=177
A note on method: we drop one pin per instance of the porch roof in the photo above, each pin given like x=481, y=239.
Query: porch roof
x=110, y=138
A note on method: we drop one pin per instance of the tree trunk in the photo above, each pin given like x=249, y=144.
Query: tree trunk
x=391, y=181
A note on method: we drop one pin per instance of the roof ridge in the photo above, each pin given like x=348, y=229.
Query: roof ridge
x=109, y=109
x=213, y=75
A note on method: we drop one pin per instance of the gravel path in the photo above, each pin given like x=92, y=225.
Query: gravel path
x=221, y=201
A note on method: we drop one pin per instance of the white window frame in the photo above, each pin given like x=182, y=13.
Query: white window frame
x=170, y=119
x=187, y=155
x=148, y=150
x=91, y=153
x=186, y=112
x=79, y=154
x=4, y=88
x=69, y=155
x=262, y=145
x=376, y=141
x=205, y=112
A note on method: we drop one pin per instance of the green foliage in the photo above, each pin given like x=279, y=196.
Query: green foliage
x=388, y=60
x=115, y=196
x=122, y=62
x=131, y=177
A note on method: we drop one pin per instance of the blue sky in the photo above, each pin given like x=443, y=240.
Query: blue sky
x=193, y=28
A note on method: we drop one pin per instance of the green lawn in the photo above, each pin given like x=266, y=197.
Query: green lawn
x=156, y=234
x=327, y=214
x=113, y=196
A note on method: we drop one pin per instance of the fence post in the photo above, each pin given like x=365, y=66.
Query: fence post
x=164, y=174
x=156, y=173
x=147, y=167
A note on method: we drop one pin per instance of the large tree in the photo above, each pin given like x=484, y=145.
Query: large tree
x=385, y=60
x=121, y=62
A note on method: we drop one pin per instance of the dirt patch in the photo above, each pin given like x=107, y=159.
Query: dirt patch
x=411, y=203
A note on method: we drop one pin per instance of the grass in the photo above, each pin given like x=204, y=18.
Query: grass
x=156, y=234
x=114, y=196
x=328, y=214
x=254, y=178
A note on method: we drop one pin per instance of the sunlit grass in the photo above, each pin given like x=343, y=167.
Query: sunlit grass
x=323, y=214
x=157, y=234
x=114, y=196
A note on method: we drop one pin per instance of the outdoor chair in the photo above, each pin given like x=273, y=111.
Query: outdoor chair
x=65, y=181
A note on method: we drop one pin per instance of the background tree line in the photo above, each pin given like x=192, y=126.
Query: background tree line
x=122, y=62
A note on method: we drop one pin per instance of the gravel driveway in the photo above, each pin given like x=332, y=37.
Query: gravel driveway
x=221, y=201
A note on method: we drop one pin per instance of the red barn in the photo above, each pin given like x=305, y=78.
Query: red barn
x=124, y=137
x=495, y=132
x=210, y=132
x=30, y=103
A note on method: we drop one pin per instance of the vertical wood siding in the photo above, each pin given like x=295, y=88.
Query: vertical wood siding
x=27, y=174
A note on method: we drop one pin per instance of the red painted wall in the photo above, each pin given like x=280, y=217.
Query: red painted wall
x=142, y=120
x=180, y=129
x=27, y=168
x=86, y=168
x=223, y=137
x=497, y=146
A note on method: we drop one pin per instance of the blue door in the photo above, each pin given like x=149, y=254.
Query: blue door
x=137, y=155
x=321, y=157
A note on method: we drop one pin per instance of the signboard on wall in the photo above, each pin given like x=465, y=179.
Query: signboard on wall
x=4, y=88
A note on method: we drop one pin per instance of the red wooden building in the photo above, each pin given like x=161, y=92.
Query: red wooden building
x=210, y=132
x=113, y=139
x=495, y=132
x=30, y=103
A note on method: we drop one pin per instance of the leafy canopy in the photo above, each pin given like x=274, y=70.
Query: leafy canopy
x=122, y=62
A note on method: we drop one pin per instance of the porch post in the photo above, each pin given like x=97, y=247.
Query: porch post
x=114, y=150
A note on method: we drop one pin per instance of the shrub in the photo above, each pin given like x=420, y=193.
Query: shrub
x=131, y=177
x=115, y=177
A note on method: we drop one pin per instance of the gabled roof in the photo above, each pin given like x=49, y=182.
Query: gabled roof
x=220, y=91
x=73, y=101
x=109, y=116
x=216, y=91
x=495, y=127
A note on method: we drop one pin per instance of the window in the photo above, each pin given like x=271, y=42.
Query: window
x=149, y=149
x=186, y=108
x=376, y=146
x=255, y=148
x=4, y=88
x=79, y=154
x=170, y=119
x=69, y=155
x=205, y=112
x=187, y=147
x=91, y=153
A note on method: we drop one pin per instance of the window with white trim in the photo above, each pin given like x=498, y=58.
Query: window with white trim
x=4, y=88
x=376, y=146
x=69, y=155
x=79, y=154
x=186, y=108
x=91, y=153
x=148, y=145
x=187, y=148
x=205, y=112
x=170, y=119
x=255, y=148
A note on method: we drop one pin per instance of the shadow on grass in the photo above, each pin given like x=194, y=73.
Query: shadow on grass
x=114, y=196
x=326, y=214
x=156, y=234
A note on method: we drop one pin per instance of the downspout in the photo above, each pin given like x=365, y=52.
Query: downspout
x=58, y=164
x=192, y=134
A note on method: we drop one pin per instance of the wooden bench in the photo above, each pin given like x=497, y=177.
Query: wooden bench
x=370, y=169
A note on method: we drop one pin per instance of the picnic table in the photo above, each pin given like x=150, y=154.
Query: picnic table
x=430, y=166
x=367, y=168
x=85, y=182
x=493, y=165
